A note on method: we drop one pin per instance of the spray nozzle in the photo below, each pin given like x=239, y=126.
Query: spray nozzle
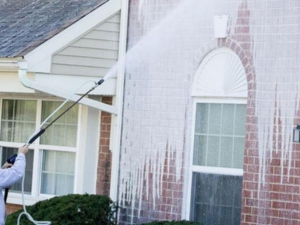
x=100, y=81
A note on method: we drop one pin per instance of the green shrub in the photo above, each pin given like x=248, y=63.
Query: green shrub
x=70, y=209
x=181, y=222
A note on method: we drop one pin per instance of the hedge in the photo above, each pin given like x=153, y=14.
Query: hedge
x=69, y=210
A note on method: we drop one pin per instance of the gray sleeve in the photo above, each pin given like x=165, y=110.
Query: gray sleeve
x=13, y=174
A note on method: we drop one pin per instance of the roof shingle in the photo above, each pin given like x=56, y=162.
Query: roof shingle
x=25, y=24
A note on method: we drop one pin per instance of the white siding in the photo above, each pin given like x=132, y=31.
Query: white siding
x=91, y=55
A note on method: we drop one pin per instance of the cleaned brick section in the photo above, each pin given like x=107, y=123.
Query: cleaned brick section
x=143, y=94
x=104, y=162
x=168, y=207
x=277, y=201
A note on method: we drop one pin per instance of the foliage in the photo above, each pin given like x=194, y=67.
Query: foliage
x=70, y=209
x=181, y=222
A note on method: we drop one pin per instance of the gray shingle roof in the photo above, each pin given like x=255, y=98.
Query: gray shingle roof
x=25, y=24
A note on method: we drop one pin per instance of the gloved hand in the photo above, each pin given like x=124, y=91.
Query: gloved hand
x=6, y=165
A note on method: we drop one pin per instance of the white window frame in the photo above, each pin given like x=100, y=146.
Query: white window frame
x=35, y=196
x=207, y=169
x=213, y=83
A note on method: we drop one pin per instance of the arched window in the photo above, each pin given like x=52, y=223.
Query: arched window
x=220, y=94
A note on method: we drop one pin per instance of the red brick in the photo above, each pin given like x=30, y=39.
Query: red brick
x=292, y=206
x=272, y=212
x=278, y=187
x=263, y=220
x=104, y=167
x=250, y=218
x=277, y=221
x=11, y=208
x=278, y=205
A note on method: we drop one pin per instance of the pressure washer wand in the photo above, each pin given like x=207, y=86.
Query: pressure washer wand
x=12, y=158
x=42, y=130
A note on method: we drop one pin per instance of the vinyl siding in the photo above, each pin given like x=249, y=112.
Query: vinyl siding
x=91, y=55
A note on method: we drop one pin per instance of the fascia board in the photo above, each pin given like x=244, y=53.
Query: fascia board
x=9, y=64
x=39, y=59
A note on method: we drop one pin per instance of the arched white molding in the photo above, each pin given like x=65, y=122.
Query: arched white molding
x=220, y=74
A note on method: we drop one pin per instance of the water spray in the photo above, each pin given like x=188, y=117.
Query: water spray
x=36, y=135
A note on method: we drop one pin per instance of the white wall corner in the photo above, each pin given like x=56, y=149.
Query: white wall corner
x=43, y=66
x=116, y=123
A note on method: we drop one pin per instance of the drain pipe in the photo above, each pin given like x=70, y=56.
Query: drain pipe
x=116, y=134
x=22, y=73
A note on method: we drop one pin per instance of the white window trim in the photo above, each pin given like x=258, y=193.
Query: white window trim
x=206, y=169
x=16, y=198
x=217, y=170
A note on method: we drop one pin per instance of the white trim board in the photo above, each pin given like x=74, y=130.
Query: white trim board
x=77, y=84
x=218, y=170
x=39, y=59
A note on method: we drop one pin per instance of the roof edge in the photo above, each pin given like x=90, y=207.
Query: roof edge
x=39, y=58
x=9, y=64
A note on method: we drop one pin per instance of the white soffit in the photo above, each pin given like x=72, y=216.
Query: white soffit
x=39, y=59
x=220, y=74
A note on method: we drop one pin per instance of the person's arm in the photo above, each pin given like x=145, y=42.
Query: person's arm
x=14, y=173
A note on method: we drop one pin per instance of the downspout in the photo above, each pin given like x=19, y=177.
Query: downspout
x=116, y=134
x=22, y=73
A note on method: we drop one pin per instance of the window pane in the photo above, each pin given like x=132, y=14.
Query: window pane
x=6, y=130
x=226, y=152
x=218, y=145
x=227, y=119
x=48, y=184
x=238, y=154
x=57, y=172
x=7, y=109
x=202, y=112
x=6, y=153
x=213, y=151
x=49, y=164
x=200, y=142
x=64, y=131
x=215, y=118
x=18, y=120
x=240, y=120
x=216, y=199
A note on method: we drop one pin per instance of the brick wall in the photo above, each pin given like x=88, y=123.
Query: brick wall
x=167, y=207
x=104, y=162
x=159, y=191
x=11, y=208
x=265, y=36
x=270, y=197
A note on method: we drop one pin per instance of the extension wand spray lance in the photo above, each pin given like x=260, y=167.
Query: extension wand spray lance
x=37, y=134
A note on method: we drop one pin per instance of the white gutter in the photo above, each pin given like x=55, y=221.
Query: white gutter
x=6, y=65
x=115, y=138
x=22, y=73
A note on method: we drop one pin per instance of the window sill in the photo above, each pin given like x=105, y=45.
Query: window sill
x=14, y=198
